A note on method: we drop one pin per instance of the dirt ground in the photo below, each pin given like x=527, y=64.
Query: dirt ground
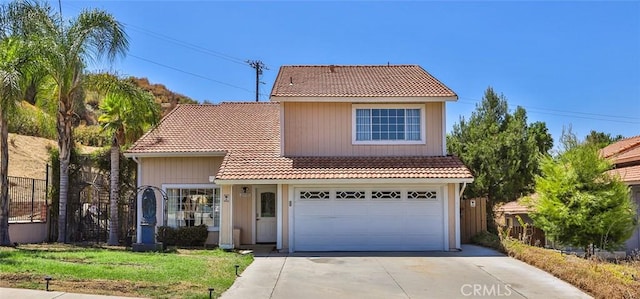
x=28, y=155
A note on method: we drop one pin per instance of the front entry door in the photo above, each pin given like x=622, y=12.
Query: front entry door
x=266, y=225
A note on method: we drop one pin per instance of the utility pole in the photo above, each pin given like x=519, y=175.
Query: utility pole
x=259, y=66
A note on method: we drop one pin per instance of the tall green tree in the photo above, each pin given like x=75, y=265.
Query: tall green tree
x=601, y=139
x=579, y=203
x=16, y=63
x=501, y=149
x=67, y=48
x=10, y=75
x=127, y=112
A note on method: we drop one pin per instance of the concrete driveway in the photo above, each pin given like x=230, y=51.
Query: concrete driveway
x=474, y=272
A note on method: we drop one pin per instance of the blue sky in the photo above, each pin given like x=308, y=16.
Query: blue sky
x=568, y=63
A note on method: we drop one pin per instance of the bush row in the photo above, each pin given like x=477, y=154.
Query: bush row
x=182, y=236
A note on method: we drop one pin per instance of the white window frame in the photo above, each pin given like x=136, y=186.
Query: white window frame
x=354, y=132
x=193, y=186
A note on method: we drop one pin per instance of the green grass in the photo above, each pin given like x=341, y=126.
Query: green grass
x=114, y=271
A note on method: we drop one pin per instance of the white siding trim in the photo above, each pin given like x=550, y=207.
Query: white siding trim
x=457, y=214
x=254, y=211
x=445, y=216
x=279, y=217
x=291, y=218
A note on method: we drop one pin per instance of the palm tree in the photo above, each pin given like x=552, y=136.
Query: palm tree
x=14, y=69
x=10, y=75
x=127, y=112
x=67, y=48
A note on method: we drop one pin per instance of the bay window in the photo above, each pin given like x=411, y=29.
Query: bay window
x=192, y=206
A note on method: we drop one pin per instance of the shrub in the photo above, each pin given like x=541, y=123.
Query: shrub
x=91, y=136
x=183, y=236
x=167, y=235
x=488, y=239
x=31, y=121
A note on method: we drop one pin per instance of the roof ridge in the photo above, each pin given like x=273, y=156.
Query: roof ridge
x=352, y=65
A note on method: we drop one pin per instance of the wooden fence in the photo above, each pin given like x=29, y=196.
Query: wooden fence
x=534, y=236
x=473, y=218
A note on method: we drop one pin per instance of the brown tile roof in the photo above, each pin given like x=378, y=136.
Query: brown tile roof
x=630, y=174
x=240, y=126
x=513, y=207
x=617, y=148
x=249, y=135
x=358, y=81
x=253, y=167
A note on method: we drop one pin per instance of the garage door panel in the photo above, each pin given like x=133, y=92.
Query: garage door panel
x=366, y=224
x=340, y=208
x=351, y=224
x=386, y=208
x=314, y=208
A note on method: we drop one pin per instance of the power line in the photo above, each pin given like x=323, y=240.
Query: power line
x=188, y=45
x=572, y=112
x=535, y=110
x=189, y=73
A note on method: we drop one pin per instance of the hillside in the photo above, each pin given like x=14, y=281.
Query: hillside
x=165, y=97
x=28, y=156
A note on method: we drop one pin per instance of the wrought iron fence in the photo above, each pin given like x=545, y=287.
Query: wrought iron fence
x=27, y=199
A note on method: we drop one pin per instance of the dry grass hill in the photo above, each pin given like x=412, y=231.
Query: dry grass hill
x=28, y=156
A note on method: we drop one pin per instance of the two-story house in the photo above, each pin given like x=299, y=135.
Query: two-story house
x=343, y=158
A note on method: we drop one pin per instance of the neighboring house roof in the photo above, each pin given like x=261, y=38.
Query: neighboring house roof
x=358, y=81
x=625, y=155
x=622, y=146
x=513, y=207
x=248, y=135
x=629, y=174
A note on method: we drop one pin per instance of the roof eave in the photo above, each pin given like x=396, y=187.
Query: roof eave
x=344, y=181
x=175, y=154
x=364, y=99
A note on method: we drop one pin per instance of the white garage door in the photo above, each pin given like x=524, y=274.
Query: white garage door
x=368, y=219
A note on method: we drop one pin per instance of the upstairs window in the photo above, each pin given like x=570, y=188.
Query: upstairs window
x=388, y=125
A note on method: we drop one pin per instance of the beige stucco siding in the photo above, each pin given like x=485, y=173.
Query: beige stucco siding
x=325, y=129
x=242, y=213
x=179, y=170
x=452, y=214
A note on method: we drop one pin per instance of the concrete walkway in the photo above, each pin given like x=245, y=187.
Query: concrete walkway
x=474, y=272
x=41, y=294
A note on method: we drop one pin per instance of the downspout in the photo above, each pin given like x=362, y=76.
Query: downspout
x=464, y=186
x=138, y=200
x=457, y=216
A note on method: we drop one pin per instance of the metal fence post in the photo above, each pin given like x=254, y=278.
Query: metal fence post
x=33, y=195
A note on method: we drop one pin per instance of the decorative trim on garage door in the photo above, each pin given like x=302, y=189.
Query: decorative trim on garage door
x=337, y=204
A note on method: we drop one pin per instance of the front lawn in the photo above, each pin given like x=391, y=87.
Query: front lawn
x=115, y=271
